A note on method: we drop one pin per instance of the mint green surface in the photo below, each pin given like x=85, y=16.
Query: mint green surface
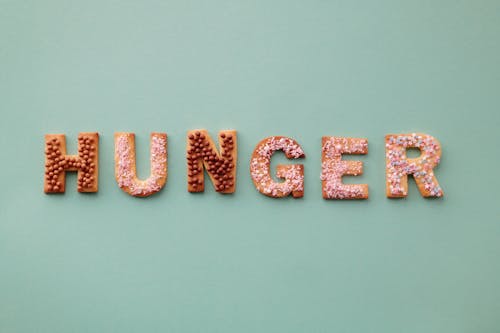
x=180, y=262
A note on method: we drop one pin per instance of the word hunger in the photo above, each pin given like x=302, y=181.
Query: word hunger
x=219, y=162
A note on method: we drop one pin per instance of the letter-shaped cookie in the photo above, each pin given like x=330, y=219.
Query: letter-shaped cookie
x=333, y=167
x=125, y=164
x=398, y=166
x=292, y=174
x=221, y=167
x=57, y=162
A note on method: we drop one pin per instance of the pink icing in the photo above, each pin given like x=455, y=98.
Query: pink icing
x=333, y=168
x=125, y=159
x=398, y=166
x=260, y=165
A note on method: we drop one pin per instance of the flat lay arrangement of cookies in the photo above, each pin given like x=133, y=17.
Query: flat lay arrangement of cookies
x=219, y=161
x=187, y=166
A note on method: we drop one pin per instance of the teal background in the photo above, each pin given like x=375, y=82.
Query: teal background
x=179, y=262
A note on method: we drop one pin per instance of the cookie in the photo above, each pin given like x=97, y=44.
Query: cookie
x=85, y=162
x=333, y=167
x=125, y=164
x=293, y=175
x=399, y=166
x=202, y=154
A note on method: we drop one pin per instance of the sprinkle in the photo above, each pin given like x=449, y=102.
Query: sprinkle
x=398, y=166
x=333, y=168
x=125, y=159
x=293, y=175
